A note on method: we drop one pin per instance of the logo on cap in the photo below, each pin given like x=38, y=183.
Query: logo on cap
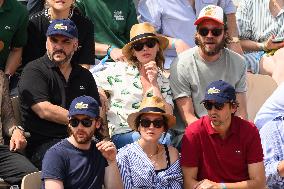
x=60, y=27
x=81, y=105
x=210, y=11
x=213, y=90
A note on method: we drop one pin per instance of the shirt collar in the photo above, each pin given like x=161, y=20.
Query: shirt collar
x=232, y=130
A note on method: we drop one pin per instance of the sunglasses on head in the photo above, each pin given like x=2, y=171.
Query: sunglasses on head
x=205, y=31
x=157, y=123
x=87, y=122
x=150, y=43
x=209, y=105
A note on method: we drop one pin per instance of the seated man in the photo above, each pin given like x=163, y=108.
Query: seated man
x=79, y=161
x=221, y=150
x=13, y=165
x=269, y=121
x=47, y=87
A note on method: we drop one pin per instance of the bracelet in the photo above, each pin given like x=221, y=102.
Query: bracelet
x=223, y=186
x=173, y=46
x=262, y=47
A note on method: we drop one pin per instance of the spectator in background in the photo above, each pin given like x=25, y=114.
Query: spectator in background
x=260, y=23
x=175, y=20
x=221, y=150
x=79, y=161
x=39, y=22
x=13, y=165
x=13, y=36
x=35, y=6
x=47, y=87
x=124, y=84
x=112, y=21
x=155, y=165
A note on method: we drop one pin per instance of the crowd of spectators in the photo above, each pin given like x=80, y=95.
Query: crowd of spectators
x=149, y=92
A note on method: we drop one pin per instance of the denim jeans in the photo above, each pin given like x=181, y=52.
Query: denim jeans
x=121, y=140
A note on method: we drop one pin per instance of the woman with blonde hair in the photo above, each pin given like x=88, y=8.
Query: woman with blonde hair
x=123, y=85
x=146, y=163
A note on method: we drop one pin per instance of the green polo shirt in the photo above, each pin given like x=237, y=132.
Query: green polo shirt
x=13, y=28
x=112, y=19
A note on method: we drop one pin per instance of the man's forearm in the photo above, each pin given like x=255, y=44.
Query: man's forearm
x=13, y=61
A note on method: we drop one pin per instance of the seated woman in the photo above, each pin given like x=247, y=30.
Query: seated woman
x=146, y=163
x=123, y=84
x=261, y=29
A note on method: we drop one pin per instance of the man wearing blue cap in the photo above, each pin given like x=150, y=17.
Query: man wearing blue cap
x=47, y=87
x=221, y=150
x=80, y=161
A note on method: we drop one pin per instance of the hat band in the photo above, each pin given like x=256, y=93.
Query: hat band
x=143, y=35
x=152, y=109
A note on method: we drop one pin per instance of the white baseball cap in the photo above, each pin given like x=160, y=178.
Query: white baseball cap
x=211, y=12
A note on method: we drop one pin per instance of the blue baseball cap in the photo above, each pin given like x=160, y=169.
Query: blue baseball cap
x=220, y=91
x=84, y=105
x=65, y=27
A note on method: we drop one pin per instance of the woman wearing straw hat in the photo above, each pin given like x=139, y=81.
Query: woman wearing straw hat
x=124, y=84
x=146, y=163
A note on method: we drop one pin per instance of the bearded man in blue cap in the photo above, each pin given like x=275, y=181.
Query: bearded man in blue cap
x=221, y=150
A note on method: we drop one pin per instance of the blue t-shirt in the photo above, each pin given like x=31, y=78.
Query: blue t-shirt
x=78, y=169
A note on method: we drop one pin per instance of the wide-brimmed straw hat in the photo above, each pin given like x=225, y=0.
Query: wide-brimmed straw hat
x=151, y=105
x=142, y=31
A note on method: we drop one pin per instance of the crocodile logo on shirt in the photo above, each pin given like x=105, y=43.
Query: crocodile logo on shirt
x=118, y=15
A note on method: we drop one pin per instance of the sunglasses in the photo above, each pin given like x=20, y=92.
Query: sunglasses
x=74, y=122
x=158, y=123
x=209, y=105
x=150, y=43
x=205, y=31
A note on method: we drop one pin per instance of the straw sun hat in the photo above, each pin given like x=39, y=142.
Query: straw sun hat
x=142, y=31
x=151, y=105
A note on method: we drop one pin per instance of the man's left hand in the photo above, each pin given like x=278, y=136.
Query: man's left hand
x=18, y=140
x=108, y=150
x=206, y=184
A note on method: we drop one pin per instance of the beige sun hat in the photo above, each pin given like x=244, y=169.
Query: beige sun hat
x=151, y=105
x=142, y=31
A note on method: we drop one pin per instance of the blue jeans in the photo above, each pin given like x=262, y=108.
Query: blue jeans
x=121, y=140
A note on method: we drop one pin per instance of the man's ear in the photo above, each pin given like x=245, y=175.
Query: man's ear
x=76, y=44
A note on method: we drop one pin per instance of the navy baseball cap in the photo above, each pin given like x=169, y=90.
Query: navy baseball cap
x=84, y=105
x=64, y=27
x=220, y=91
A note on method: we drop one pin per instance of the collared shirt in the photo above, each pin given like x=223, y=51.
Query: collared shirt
x=175, y=18
x=217, y=159
x=256, y=23
x=137, y=171
x=272, y=139
x=122, y=81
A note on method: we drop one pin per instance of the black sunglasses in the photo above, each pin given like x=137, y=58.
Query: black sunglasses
x=150, y=43
x=205, y=31
x=158, y=123
x=217, y=105
x=87, y=122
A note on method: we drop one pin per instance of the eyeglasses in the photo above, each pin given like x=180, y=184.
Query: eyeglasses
x=209, y=105
x=74, y=122
x=150, y=43
x=205, y=31
x=158, y=123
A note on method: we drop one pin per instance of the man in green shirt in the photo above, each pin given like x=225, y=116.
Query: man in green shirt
x=112, y=21
x=13, y=34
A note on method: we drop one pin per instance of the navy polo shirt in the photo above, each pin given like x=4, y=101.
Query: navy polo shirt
x=41, y=81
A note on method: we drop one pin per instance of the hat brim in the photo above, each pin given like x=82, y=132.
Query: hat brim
x=171, y=120
x=199, y=20
x=90, y=114
x=61, y=33
x=126, y=50
x=215, y=99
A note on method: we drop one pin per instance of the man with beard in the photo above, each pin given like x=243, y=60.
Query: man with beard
x=79, y=161
x=221, y=150
x=209, y=61
x=47, y=87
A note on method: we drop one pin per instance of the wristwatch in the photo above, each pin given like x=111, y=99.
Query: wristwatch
x=235, y=40
x=18, y=127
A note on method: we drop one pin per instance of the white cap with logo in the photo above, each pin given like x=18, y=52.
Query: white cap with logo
x=211, y=12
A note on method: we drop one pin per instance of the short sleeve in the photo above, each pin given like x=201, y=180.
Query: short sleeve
x=21, y=35
x=150, y=11
x=241, y=85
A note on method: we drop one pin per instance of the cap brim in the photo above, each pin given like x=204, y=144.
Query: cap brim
x=61, y=33
x=163, y=42
x=171, y=120
x=91, y=115
x=215, y=99
x=199, y=20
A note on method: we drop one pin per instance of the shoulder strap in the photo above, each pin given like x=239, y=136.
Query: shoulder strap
x=168, y=155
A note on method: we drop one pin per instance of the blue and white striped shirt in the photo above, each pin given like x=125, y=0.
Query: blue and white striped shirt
x=137, y=171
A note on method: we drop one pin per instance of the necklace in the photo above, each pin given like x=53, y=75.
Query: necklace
x=47, y=13
x=156, y=153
